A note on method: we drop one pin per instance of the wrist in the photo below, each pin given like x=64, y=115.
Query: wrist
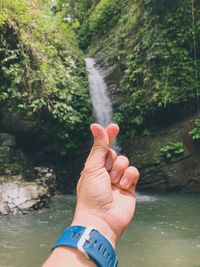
x=87, y=219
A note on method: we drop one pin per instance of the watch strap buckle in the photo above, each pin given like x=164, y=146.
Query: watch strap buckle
x=84, y=238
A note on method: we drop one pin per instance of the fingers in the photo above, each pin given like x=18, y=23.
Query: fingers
x=110, y=159
x=124, y=176
x=119, y=166
x=100, y=154
x=129, y=179
x=112, y=131
x=97, y=156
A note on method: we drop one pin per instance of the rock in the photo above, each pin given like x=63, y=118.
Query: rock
x=7, y=140
x=7, y=143
x=14, y=121
x=20, y=196
x=47, y=178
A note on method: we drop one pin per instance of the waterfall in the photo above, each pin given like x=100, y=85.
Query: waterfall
x=102, y=107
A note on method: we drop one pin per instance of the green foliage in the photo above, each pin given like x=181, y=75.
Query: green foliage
x=172, y=149
x=195, y=132
x=102, y=18
x=74, y=11
x=151, y=47
x=42, y=70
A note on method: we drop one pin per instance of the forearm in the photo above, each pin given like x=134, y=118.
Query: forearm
x=66, y=256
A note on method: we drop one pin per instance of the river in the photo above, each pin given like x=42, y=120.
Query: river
x=164, y=233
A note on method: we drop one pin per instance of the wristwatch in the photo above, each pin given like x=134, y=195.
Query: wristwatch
x=89, y=242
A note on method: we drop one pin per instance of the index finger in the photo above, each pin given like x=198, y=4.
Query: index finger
x=112, y=131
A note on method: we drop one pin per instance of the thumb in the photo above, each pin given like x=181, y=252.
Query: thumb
x=97, y=156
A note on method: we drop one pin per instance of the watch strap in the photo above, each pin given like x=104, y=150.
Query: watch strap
x=89, y=242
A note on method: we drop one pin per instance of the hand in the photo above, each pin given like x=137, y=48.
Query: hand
x=106, y=189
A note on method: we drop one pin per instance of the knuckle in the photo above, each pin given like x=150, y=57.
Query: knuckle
x=113, y=153
x=134, y=171
x=123, y=160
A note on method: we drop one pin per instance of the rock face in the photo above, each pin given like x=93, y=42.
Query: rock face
x=15, y=122
x=23, y=187
x=180, y=173
x=20, y=196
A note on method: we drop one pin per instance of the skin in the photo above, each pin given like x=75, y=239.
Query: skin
x=105, y=191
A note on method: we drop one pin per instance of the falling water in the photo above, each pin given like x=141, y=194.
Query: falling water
x=102, y=107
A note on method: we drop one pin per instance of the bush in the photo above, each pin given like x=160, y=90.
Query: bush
x=195, y=132
x=172, y=149
x=102, y=18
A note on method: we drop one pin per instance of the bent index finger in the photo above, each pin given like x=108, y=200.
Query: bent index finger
x=112, y=131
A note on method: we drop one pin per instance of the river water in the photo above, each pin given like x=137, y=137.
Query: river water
x=164, y=233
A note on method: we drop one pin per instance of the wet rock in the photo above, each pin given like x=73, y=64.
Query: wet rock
x=20, y=196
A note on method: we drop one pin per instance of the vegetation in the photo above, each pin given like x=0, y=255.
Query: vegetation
x=195, y=132
x=42, y=71
x=153, y=46
x=101, y=19
x=172, y=149
x=74, y=12
x=149, y=46
x=90, y=18
x=160, y=71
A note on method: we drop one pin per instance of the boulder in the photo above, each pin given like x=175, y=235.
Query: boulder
x=20, y=196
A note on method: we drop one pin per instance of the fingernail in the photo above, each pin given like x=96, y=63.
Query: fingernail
x=94, y=130
x=124, y=182
x=113, y=175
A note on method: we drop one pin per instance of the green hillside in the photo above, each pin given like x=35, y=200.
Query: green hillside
x=42, y=74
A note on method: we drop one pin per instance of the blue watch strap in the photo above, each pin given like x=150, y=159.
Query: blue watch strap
x=91, y=243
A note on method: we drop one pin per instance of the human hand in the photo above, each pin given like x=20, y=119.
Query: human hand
x=106, y=188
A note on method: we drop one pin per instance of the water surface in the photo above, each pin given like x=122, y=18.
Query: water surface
x=164, y=233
